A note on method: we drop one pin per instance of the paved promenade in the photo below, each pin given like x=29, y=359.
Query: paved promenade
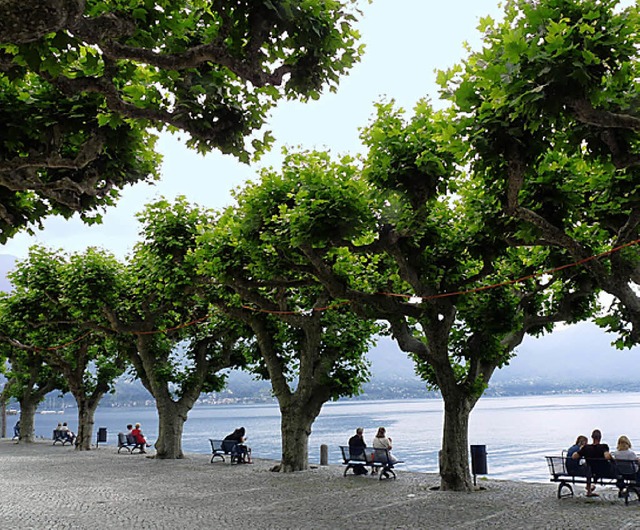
x=44, y=486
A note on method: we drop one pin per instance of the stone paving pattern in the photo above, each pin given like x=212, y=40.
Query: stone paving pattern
x=45, y=487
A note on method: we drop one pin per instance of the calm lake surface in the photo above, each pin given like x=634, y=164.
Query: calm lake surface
x=518, y=431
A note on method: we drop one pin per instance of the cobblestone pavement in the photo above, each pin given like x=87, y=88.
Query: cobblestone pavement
x=44, y=486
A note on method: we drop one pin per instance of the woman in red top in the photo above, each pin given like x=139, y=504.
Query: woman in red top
x=139, y=438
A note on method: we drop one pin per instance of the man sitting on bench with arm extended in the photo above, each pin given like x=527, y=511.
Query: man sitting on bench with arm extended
x=594, y=453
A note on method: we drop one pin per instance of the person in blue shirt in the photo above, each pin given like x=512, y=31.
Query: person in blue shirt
x=573, y=466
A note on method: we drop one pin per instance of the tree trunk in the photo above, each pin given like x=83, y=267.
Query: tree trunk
x=3, y=419
x=28, y=406
x=454, y=459
x=86, y=413
x=171, y=418
x=295, y=426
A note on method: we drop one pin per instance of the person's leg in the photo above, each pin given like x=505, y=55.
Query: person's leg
x=591, y=487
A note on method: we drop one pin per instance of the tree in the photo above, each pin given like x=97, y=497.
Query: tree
x=89, y=362
x=372, y=234
x=311, y=350
x=549, y=108
x=30, y=379
x=180, y=343
x=82, y=83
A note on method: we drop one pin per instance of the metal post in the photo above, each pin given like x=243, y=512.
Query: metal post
x=3, y=413
x=324, y=455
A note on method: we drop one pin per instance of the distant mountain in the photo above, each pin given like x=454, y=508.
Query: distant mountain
x=578, y=352
x=389, y=362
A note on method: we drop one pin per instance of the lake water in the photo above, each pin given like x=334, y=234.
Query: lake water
x=518, y=431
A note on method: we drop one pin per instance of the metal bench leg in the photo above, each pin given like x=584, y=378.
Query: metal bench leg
x=385, y=471
x=561, y=487
x=627, y=494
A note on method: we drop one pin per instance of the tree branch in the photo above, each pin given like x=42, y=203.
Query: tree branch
x=584, y=112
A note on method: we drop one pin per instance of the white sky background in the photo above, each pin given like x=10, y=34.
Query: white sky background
x=406, y=41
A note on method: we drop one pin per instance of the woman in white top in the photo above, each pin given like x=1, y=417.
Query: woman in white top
x=382, y=442
x=623, y=452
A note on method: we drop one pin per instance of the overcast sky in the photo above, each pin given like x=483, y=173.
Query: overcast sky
x=406, y=41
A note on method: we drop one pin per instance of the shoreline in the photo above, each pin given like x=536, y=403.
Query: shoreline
x=68, y=404
x=45, y=486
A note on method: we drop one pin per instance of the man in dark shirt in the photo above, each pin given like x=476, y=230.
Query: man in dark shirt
x=357, y=446
x=597, y=455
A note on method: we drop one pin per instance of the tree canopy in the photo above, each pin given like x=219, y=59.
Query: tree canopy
x=549, y=109
x=82, y=83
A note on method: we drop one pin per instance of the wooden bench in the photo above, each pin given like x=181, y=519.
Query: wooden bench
x=62, y=437
x=376, y=459
x=220, y=448
x=621, y=473
x=128, y=442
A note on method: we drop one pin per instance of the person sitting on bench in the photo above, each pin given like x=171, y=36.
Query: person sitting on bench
x=139, y=438
x=66, y=432
x=236, y=445
x=357, y=447
x=595, y=454
x=574, y=467
x=382, y=442
x=624, y=452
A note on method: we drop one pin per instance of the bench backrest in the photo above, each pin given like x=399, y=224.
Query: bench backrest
x=627, y=469
x=228, y=446
x=366, y=455
x=557, y=465
x=58, y=435
x=381, y=455
x=353, y=454
x=600, y=467
x=222, y=446
x=126, y=439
